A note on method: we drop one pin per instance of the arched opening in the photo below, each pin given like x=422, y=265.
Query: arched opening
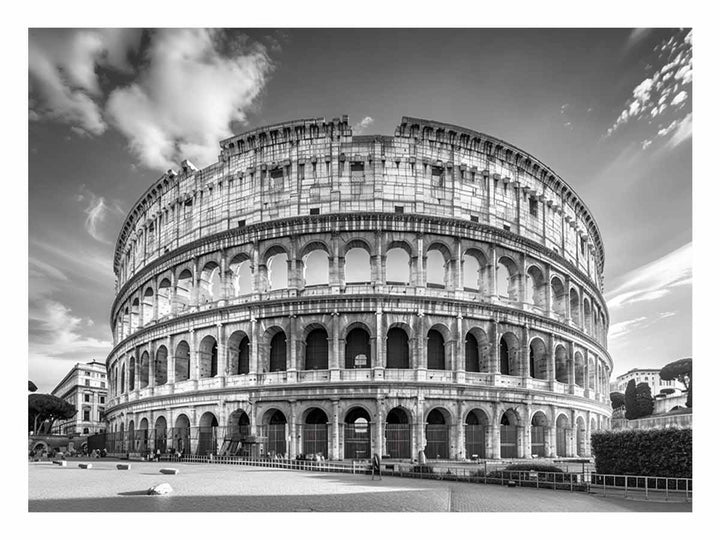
x=435, y=350
x=164, y=302
x=210, y=285
x=357, y=349
x=275, y=430
x=575, y=306
x=183, y=290
x=472, y=354
x=278, y=352
x=122, y=379
x=131, y=375
x=316, y=268
x=238, y=354
x=182, y=362
x=132, y=443
x=135, y=321
x=398, y=434
x=591, y=374
x=507, y=279
x=476, y=426
x=557, y=290
x=315, y=437
x=181, y=435
x=207, y=357
x=207, y=435
x=237, y=431
x=509, y=354
x=538, y=359
x=535, y=293
x=126, y=323
x=538, y=430
x=148, y=306
x=357, y=266
x=144, y=369
x=509, y=435
x=473, y=263
x=561, y=364
x=316, y=349
x=398, y=350
x=161, y=434
x=142, y=436
x=161, y=366
x=579, y=370
x=580, y=438
x=587, y=311
x=562, y=434
x=437, y=433
x=277, y=267
x=397, y=267
x=241, y=276
x=357, y=434
x=436, y=269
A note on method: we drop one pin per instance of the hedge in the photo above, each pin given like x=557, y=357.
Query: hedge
x=653, y=452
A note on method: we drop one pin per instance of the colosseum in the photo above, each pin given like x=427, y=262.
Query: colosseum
x=319, y=293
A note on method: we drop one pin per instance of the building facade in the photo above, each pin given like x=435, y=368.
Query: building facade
x=651, y=376
x=315, y=292
x=85, y=387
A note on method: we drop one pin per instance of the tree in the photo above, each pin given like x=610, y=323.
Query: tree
x=617, y=399
x=680, y=370
x=638, y=400
x=667, y=391
x=44, y=409
x=31, y=386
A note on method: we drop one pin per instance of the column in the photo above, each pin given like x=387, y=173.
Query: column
x=173, y=294
x=552, y=433
x=419, y=439
x=294, y=281
x=334, y=449
x=378, y=271
x=494, y=340
x=151, y=366
x=420, y=346
x=523, y=282
x=194, y=293
x=292, y=343
x=460, y=434
x=493, y=274
x=377, y=345
x=420, y=280
x=170, y=363
x=573, y=434
x=460, y=349
x=221, y=352
x=334, y=277
x=257, y=273
x=495, y=431
x=568, y=311
x=224, y=293
x=459, y=281
x=293, y=446
x=527, y=433
x=550, y=355
x=525, y=352
x=194, y=357
x=254, y=346
x=571, y=368
x=335, y=355
x=379, y=447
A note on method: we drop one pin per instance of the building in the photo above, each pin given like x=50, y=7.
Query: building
x=651, y=376
x=315, y=292
x=84, y=387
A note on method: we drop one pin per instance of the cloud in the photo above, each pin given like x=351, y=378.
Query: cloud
x=97, y=211
x=679, y=98
x=362, y=125
x=683, y=131
x=63, y=63
x=625, y=327
x=653, y=280
x=193, y=85
x=636, y=36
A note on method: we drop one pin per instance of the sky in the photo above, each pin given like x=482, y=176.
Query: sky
x=609, y=110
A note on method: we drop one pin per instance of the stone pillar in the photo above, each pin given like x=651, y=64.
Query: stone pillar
x=494, y=340
x=527, y=433
x=568, y=310
x=495, y=430
x=378, y=269
x=460, y=349
x=548, y=291
x=156, y=300
x=571, y=367
x=292, y=341
x=552, y=433
x=379, y=446
x=525, y=352
x=151, y=365
x=377, y=345
x=421, y=346
x=419, y=441
x=459, y=434
x=334, y=449
x=293, y=446
x=493, y=274
x=459, y=281
x=194, y=293
x=522, y=282
x=221, y=352
x=572, y=450
x=335, y=356
x=194, y=357
x=257, y=274
x=254, y=346
x=550, y=355
x=225, y=286
x=334, y=278
x=173, y=294
x=170, y=363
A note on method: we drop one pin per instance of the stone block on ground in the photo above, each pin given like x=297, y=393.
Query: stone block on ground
x=123, y=466
x=85, y=465
x=160, y=489
x=169, y=471
x=60, y=462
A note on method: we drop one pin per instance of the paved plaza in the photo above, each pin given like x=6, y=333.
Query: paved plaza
x=231, y=488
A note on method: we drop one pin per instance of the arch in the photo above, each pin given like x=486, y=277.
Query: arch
x=181, y=434
x=357, y=349
x=135, y=321
x=587, y=311
x=357, y=434
x=316, y=267
x=538, y=434
x=161, y=435
x=275, y=429
x=207, y=357
x=398, y=433
x=557, y=292
x=122, y=378
x=207, y=435
x=131, y=374
x=238, y=352
x=507, y=279
x=436, y=268
x=477, y=351
x=148, y=305
x=164, y=298
x=562, y=434
x=580, y=438
x=144, y=369
x=357, y=265
x=161, y=365
x=579, y=369
x=277, y=271
x=574, y=306
x=210, y=283
x=182, y=361
x=538, y=359
x=142, y=436
x=241, y=275
x=397, y=266
x=437, y=434
x=315, y=432
x=561, y=364
x=278, y=352
x=316, y=349
x=238, y=424
x=510, y=355
x=435, y=350
x=397, y=349
x=509, y=434
x=474, y=263
x=183, y=289
x=535, y=293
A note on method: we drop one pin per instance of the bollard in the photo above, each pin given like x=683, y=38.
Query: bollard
x=169, y=471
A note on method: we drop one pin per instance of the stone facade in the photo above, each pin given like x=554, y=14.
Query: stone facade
x=349, y=295
x=85, y=387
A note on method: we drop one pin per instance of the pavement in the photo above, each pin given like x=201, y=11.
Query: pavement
x=235, y=488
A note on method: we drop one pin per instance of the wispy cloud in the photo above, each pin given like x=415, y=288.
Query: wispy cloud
x=362, y=125
x=194, y=84
x=622, y=328
x=97, y=212
x=653, y=280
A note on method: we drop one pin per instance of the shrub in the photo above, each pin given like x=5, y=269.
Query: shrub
x=617, y=399
x=638, y=400
x=537, y=467
x=422, y=469
x=654, y=452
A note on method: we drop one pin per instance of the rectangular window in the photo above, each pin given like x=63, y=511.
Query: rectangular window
x=86, y=416
x=102, y=399
x=241, y=223
x=301, y=171
x=399, y=209
x=506, y=227
x=87, y=382
x=533, y=207
x=87, y=398
x=357, y=167
x=474, y=219
x=276, y=173
x=102, y=385
x=314, y=211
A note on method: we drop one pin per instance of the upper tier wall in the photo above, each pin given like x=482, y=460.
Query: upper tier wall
x=313, y=166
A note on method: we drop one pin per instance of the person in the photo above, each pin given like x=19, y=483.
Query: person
x=157, y=454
